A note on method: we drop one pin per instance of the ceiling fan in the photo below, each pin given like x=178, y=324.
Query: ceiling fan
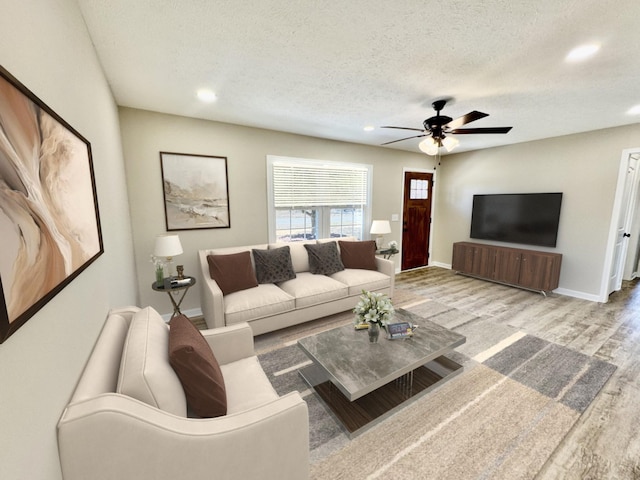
x=439, y=128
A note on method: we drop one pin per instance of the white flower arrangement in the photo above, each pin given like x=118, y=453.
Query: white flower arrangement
x=373, y=307
x=393, y=245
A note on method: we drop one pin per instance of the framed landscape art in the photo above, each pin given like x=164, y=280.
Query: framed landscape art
x=196, y=191
x=49, y=215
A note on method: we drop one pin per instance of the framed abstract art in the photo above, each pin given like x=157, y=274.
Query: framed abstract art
x=49, y=215
x=196, y=191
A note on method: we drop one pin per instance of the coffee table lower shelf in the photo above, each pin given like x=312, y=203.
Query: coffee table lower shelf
x=363, y=413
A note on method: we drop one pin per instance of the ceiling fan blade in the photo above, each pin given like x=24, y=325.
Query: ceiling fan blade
x=406, y=138
x=406, y=128
x=464, y=131
x=468, y=118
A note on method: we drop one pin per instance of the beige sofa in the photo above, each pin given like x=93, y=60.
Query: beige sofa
x=128, y=415
x=269, y=307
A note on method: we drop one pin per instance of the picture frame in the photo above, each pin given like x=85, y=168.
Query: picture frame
x=49, y=215
x=399, y=330
x=196, y=191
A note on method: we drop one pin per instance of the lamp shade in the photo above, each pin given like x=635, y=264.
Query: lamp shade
x=429, y=146
x=450, y=143
x=167, y=246
x=380, y=227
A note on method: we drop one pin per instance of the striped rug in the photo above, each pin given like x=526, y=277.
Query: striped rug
x=499, y=419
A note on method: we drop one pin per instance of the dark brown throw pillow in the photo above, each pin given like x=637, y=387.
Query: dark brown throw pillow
x=197, y=368
x=273, y=265
x=358, y=254
x=324, y=258
x=232, y=272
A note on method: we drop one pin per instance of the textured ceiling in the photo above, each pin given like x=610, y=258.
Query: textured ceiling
x=329, y=68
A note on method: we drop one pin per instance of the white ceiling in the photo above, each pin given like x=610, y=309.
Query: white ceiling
x=327, y=68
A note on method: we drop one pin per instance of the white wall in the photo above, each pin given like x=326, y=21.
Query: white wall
x=583, y=166
x=145, y=134
x=44, y=44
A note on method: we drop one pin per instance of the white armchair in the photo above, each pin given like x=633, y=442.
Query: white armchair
x=108, y=435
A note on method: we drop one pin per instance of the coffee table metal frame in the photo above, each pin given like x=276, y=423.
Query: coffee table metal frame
x=363, y=383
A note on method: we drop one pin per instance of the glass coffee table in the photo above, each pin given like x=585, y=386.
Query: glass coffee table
x=363, y=383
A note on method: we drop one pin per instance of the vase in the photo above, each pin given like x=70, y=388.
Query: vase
x=159, y=274
x=374, y=332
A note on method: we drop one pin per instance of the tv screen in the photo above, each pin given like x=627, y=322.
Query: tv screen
x=528, y=218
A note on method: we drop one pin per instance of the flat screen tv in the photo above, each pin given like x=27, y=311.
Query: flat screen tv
x=527, y=218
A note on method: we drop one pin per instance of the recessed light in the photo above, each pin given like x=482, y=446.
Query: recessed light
x=206, y=95
x=369, y=128
x=634, y=110
x=582, y=52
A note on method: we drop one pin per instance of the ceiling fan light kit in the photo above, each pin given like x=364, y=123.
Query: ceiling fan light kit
x=439, y=128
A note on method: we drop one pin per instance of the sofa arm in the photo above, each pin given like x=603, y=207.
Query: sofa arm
x=211, y=297
x=232, y=343
x=388, y=267
x=114, y=436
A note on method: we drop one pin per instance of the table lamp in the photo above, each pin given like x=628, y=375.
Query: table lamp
x=168, y=246
x=380, y=228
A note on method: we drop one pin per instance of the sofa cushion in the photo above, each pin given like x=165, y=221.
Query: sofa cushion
x=299, y=255
x=247, y=385
x=261, y=301
x=324, y=258
x=273, y=265
x=145, y=373
x=309, y=289
x=359, y=279
x=358, y=254
x=232, y=272
x=197, y=368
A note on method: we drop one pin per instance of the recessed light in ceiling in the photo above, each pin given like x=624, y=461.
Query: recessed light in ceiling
x=582, y=52
x=369, y=128
x=206, y=95
x=634, y=110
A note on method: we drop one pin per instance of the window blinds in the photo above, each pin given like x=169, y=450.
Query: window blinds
x=308, y=185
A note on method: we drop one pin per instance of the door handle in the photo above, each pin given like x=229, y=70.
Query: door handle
x=626, y=235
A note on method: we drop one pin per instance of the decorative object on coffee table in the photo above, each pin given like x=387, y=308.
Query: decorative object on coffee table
x=375, y=309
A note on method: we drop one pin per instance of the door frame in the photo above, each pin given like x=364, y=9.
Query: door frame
x=434, y=185
x=615, y=216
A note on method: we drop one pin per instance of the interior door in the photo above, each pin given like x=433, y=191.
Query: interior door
x=623, y=227
x=416, y=218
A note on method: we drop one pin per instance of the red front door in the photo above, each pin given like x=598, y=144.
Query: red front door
x=418, y=188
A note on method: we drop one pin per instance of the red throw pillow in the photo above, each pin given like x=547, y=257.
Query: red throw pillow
x=359, y=254
x=197, y=368
x=232, y=272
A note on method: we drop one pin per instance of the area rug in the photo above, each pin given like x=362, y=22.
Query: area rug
x=499, y=419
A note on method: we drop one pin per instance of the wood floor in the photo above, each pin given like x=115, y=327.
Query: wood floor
x=605, y=442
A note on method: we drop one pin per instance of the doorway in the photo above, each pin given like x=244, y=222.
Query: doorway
x=416, y=219
x=624, y=252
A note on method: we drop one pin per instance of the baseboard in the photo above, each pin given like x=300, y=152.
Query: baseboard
x=442, y=265
x=194, y=312
x=576, y=294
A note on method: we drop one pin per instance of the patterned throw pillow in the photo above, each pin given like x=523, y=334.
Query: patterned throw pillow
x=359, y=254
x=324, y=258
x=273, y=266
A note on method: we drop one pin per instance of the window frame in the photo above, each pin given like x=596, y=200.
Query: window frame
x=324, y=227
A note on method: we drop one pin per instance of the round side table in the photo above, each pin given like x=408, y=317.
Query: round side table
x=181, y=286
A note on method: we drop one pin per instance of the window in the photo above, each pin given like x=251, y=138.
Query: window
x=419, y=189
x=310, y=199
